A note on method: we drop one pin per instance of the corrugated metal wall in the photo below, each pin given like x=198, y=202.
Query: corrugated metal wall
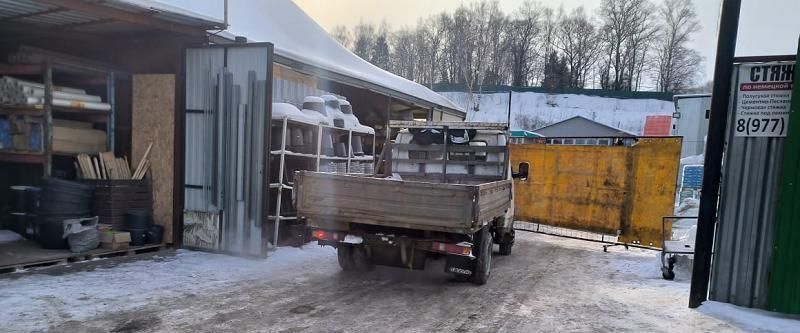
x=693, y=123
x=747, y=215
x=226, y=112
x=293, y=92
x=292, y=87
x=784, y=288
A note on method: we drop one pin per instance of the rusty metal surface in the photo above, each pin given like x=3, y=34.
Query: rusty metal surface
x=577, y=187
x=654, y=175
x=606, y=189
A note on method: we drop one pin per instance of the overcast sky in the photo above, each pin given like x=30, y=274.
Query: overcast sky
x=767, y=27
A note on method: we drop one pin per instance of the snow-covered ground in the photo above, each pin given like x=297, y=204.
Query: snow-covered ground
x=693, y=160
x=751, y=320
x=7, y=236
x=531, y=110
x=548, y=284
x=30, y=300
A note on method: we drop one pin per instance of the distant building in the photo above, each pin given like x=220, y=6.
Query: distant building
x=520, y=136
x=657, y=125
x=580, y=130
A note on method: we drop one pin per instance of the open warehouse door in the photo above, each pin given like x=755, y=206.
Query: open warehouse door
x=227, y=114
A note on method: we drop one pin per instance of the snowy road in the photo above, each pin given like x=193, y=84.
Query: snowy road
x=548, y=284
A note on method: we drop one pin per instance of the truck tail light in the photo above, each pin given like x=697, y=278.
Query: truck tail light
x=327, y=235
x=457, y=249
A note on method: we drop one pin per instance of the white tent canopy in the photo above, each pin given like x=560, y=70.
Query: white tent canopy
x=299, y=38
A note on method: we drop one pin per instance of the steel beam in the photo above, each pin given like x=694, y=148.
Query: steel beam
x=119, y=15
x=712, y=171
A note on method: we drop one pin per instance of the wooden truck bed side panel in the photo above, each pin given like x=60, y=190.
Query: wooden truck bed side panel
x=324, y=199
x=493, y=200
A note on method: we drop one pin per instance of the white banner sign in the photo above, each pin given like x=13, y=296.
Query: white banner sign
x=763, y=95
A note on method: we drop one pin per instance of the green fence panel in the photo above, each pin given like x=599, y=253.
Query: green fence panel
x=784, y=284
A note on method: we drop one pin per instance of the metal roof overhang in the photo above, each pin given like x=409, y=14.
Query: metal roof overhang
x=336, y=77
x=103, y=16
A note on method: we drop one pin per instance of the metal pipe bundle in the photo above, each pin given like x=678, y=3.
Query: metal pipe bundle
x=14, y=91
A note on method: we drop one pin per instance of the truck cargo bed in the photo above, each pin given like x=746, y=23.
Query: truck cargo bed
x=325, y=199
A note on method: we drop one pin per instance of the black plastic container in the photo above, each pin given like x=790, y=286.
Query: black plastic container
x=138, y=220
x=25, y=199
x=22, y=223
x=155, y=234
x=50, y=234
x=138, y=236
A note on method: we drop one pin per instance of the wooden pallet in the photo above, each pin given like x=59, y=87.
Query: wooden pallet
x=81, y=257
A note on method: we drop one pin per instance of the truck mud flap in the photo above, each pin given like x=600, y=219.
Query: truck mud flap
x=459, y=265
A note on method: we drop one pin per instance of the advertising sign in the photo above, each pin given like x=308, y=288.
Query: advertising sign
x=763, y=95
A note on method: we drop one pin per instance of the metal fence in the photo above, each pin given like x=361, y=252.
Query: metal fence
x=746, y=221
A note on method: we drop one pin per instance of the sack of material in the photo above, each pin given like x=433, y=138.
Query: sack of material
x=83, y=241
x=82, y=234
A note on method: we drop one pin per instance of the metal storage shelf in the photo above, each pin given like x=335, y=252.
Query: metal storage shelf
x=94, y=116
x=334, y=158
x=22, y=157
x=291, y=153
x=48, y=111
x=284, y=152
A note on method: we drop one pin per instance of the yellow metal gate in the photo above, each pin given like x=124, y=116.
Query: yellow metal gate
x=618, y=190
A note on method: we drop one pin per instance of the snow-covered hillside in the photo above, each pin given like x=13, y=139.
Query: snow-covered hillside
x=531, y=110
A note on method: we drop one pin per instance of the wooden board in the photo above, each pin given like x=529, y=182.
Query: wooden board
x=153, y=120
x=22, y=254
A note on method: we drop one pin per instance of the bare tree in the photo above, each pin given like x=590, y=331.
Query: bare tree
x=364, y=36
x=546, y=43
x=677, y=64
x=405, y=54
x=627, y=45
x=627, y=29
x=497, y=71
x=435, y=32
x=577, y=39
x=524, y=29
x=342, y=35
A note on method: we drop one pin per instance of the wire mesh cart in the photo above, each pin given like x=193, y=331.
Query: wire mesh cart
x=671, y=248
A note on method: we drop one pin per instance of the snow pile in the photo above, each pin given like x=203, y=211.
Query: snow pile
x=307, y=42
x=532, y=110
x=353, y=239
x=751, y=320
x=8, y=236
x=31, y=299
x=693, y=160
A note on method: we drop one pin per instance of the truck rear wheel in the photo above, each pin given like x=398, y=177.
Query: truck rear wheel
x=483, y=265
x=345, y=255
x=360, y=258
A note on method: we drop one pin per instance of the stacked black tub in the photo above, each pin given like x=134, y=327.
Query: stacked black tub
x=60, y=200
x=24, y=208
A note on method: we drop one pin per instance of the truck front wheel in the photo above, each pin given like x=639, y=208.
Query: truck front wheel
x=505, y=249
x=483, y=265
x=507, y=243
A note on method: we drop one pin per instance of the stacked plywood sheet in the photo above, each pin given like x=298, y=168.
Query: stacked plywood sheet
x=77, y=137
